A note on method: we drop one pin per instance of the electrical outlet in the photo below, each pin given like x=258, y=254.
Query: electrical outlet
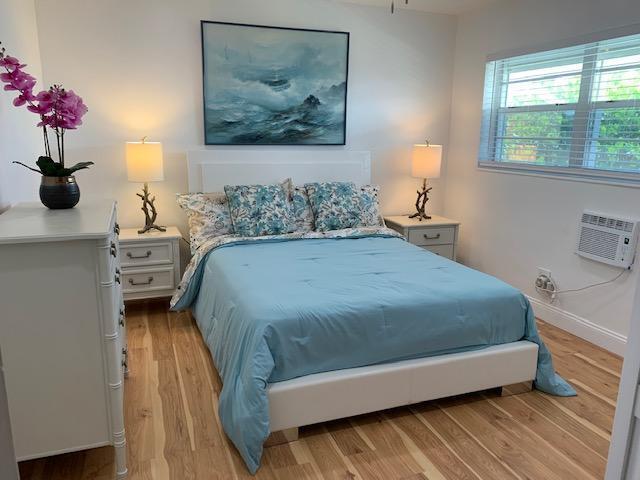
x=545, y=284
x=544, y=271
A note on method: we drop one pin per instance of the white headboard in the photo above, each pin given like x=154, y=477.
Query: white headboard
x=211, y=170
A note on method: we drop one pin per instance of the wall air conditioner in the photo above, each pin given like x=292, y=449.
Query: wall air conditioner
x=607, y=239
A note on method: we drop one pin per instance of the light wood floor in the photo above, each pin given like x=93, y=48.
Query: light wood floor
x=173, y=431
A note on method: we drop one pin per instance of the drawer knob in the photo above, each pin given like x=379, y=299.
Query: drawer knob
x=132, y=256
x=148, y=282
x=113, y=250
x=125, y=359
x=435, y=237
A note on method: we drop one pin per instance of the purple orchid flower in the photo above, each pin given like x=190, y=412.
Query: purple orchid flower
x=18, y=80
x=11, y=63
x=58, y=109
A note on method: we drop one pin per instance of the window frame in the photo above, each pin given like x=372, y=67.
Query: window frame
x=575, y=170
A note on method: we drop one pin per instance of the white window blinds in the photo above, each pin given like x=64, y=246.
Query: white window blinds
x=574, y=109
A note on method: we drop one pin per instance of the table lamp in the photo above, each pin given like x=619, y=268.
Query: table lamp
x=144, y=164
x=426, y=161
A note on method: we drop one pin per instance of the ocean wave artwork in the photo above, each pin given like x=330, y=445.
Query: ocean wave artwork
x=274, y=86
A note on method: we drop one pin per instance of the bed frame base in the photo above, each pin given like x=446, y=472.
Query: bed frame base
x=292, y=434
x=516, y=388
x=282, y=436
x=354, y=391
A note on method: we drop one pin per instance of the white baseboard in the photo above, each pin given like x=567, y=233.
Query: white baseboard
x=581, y=327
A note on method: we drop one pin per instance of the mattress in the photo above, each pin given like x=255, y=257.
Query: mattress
x=283, y=307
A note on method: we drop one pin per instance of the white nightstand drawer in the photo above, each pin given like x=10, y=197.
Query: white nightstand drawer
x=148, y=279
x=436, y=234
x=445, y=251
x=141, y=254
x=432, y=236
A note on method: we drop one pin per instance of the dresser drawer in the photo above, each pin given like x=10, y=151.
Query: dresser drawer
x=141, y=254
x=148, y=279
x=108, y=259
x=445, y=251
x=432, y=236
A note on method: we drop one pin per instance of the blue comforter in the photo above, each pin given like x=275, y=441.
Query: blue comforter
x=272, y=311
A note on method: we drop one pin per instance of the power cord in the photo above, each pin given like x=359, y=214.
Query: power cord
x=553, y=292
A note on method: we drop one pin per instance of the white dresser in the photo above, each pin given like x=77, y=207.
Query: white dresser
x=62, y=329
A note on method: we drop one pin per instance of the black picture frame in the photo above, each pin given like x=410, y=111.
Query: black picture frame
x=203, y=25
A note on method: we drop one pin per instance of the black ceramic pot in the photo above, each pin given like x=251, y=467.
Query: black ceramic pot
x=59, y=192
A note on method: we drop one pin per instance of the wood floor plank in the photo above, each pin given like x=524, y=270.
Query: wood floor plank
x=507, y=449
x=139, y=408
x=158, y=325
x=388, y=444
x=570, y=423
x=174, y=432
x=535, y=446
x=69, y=465
x=193, y=373
x=140, y=471
x=574, y=344
x=177, y=448
x=331, y=464
x=597, y=379
x=136, y=321
x=479, y=459
x=279, y=456
x=99, y=464
x=444, y=460
x=347, y=438
x=551, y=436
x=587, y=406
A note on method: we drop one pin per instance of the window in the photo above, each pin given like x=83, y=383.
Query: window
x=572, y=110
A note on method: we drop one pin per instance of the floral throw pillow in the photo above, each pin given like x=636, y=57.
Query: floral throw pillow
x=369, y=206
x=258, y=210
x=335, y=205
x=207, y=214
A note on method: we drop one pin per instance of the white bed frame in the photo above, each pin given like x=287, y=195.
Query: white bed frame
x=342, y=393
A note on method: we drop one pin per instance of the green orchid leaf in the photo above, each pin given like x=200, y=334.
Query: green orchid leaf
x=48, y=167
x=27, y=166
x=80, y=166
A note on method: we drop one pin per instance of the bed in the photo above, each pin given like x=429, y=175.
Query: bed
x=310, y=327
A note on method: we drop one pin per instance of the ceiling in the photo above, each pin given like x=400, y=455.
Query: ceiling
x=452, y=7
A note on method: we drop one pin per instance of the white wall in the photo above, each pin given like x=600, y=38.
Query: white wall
x=512, y=224
x=138, y=67
x=19, y=139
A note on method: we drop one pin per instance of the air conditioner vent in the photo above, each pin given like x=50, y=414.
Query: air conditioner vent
x=607, y=239
x=597, y=242
x=622, y=225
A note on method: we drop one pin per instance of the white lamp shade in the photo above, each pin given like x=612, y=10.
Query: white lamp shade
x=144, y=162
x=426, y=161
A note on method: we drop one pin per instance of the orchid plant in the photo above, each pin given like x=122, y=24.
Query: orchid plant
x=59, y=110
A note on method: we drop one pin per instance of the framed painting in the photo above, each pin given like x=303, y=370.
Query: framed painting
x=274, y=86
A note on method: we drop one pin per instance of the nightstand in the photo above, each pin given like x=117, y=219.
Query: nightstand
x=150, y=263
x=438, y=235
